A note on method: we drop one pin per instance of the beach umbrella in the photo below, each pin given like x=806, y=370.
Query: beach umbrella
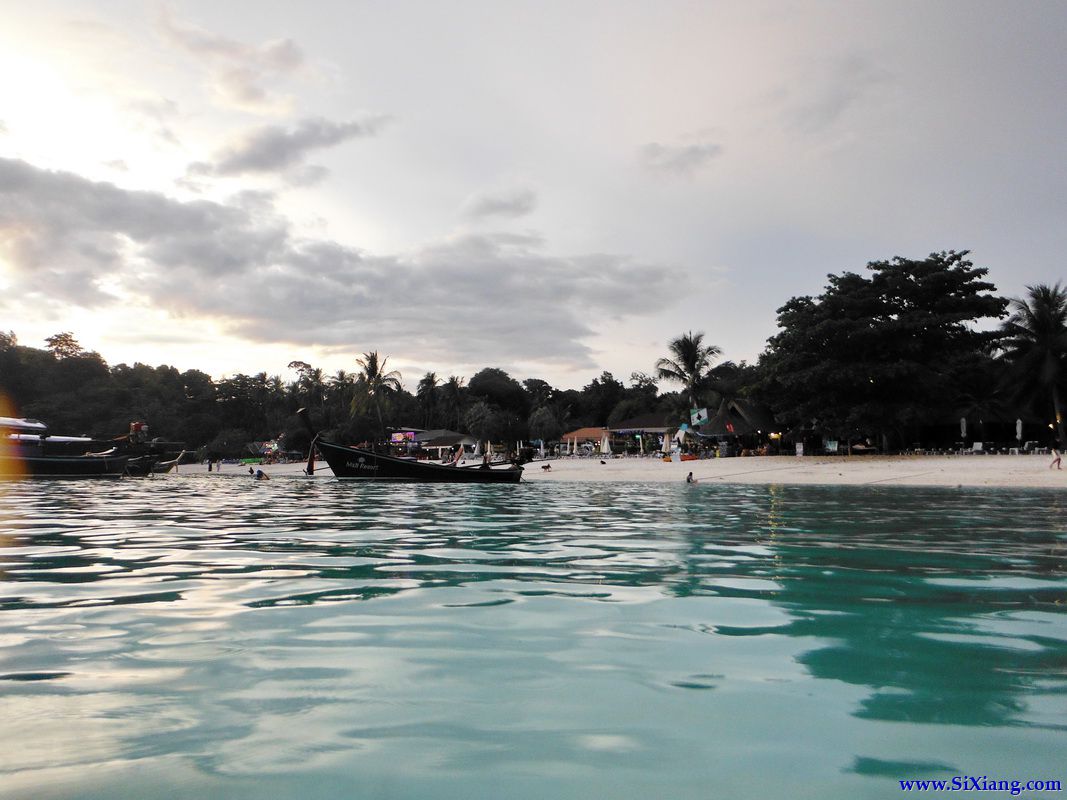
x=605, y=444
x=542, y=448
x=963, y=427
x=1018, y=430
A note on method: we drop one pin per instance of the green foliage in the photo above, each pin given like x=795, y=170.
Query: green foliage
x=874, y=354
x=1035, y=347
x=451, y=402
x=427, y=394
x=543, y=424
x=688, y=363
x=600, y=396
x=538, y=392
x=374, y=387
x=499, y=389
x=483, y=421
x=63, y=345
x=229, y=443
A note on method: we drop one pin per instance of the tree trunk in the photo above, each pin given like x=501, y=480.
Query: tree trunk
x=381, y=423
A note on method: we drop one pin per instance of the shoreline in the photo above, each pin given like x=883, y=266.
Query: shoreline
x=993, y=471
x=1005, y=471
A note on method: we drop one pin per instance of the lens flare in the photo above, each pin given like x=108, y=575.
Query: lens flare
x=11, y=464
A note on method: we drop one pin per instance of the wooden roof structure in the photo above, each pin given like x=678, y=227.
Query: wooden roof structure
x=585, y=435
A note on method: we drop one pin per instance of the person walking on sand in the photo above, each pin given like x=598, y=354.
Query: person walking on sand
x=1055, y=459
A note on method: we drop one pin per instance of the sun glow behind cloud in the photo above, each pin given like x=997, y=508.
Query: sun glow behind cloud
x=59, y=113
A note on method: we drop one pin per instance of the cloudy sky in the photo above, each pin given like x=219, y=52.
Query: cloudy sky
x=555, y=188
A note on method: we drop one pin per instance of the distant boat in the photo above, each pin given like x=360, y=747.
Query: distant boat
x=28, y=451
x=354, y=462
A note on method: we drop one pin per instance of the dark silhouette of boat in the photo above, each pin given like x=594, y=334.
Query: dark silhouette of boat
x=143, y=462
x=361, y=464
x=28, y=451
x=162, y=467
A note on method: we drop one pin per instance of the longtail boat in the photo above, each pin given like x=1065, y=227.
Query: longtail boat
x=28, y=451
x=361, y=464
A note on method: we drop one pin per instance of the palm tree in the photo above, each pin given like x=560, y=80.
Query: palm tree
x=427, y=394
x=339, y=389
x=452, y=401
x=374, y=385
x=688, y=363
x=1036, y=345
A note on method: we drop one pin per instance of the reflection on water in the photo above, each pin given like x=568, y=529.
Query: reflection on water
x=326, y=639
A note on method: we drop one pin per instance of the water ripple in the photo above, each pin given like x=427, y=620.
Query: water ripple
x=265, y=639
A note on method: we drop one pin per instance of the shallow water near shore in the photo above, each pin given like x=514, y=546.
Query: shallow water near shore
x=186, y=637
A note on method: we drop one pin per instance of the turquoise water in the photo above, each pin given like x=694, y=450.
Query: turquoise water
x=197, y=638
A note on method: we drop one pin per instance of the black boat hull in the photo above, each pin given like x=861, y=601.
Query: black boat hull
x=352, y=462
x=62, y=466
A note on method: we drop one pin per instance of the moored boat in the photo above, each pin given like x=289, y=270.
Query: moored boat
x=28, y=451
x=362, y=464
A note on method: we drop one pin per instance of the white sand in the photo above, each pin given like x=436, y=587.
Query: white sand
x=968, y=470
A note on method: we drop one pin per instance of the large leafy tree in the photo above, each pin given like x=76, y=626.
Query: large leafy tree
x=499, y=389
x=688, y=363
x=879, y=353
x=600, y=396
x=544, y=425
x=64, y=345
x=539, y=392
x=483, y=421
x=374, y=385
x=1035, y=346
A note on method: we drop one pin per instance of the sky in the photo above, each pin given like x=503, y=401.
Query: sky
x=552, y=188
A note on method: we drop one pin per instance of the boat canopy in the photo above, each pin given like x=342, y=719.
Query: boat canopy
x=22, y=425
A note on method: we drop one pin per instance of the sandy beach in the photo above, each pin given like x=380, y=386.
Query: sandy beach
x=1031, y=471
x=1022, y=471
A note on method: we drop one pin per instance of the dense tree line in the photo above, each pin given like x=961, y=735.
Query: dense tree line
x=909, y=345
x=76, y=391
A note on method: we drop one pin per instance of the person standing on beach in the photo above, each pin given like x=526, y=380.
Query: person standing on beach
x=1055, y=459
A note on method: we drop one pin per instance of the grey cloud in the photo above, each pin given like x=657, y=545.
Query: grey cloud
x=239, y=71
x=831, y=90
x=495, y=298
x=273, y=148
x=306, y=175
x=510, y=203
x=683, y=159
x=279, y=54
x=155, y=114
x=67, y=237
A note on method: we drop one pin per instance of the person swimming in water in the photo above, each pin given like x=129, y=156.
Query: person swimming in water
x=690, y=479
